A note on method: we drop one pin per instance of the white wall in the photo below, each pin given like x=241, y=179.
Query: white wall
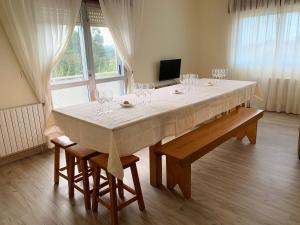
x=213, y=29
x=168, y=30
x=195, y=30
x=14, y=90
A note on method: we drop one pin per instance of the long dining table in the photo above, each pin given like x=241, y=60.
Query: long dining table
x=125, y=131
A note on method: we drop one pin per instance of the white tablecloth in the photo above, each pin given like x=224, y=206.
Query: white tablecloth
x=125, y=131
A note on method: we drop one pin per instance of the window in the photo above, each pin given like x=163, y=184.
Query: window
x=104, y=53
x=259, y=46
x=90, y=62
x=267, y=42
x=69, y=68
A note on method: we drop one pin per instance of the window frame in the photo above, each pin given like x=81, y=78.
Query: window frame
x=88, y=68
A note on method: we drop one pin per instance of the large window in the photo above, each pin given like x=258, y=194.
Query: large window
x=90, y=62
x=70, y=67
x=266, y=40
x=104, y=53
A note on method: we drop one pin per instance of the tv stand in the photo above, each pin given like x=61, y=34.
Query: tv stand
x=166, y=83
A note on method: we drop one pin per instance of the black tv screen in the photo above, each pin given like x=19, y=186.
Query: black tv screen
x=169, y=69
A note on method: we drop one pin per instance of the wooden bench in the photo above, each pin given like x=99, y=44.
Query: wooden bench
x=183, y=151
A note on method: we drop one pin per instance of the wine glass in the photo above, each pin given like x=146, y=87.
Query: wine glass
x=225, y=71
x=144, y=92
x=100, y=97
x=214, y=73
x=109, y=96
x=137, y=91
x=149, y=90
x=193, y=79
x=218, y=74
x=184, y=81
x=104, y=98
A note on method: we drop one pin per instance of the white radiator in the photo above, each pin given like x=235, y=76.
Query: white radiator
x=21, y=128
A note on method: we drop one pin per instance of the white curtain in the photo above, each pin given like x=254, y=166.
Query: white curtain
x=39, y=31
x=265, y=46
x=124, y=18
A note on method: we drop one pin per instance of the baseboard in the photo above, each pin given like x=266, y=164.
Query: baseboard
x=23, y=154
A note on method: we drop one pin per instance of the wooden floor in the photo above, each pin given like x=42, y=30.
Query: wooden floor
x=238, y=183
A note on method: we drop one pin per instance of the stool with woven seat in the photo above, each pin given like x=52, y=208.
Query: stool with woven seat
x=99, y=163
x=62, y=142
x=82, y=154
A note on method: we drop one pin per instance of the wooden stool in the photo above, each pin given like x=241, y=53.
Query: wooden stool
x=82, y=155
x=61, y=142
x=100, y=162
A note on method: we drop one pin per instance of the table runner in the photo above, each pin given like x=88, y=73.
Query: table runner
x=125, y=131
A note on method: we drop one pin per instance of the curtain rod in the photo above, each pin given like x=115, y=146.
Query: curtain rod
x=241, y=5
x=91, y=1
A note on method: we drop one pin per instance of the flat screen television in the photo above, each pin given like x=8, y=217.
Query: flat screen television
x=169, y=69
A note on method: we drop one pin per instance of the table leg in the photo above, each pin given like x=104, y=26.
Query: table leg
x=155, y=165
x=248, y=104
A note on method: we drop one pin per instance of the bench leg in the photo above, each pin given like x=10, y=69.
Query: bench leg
x=155, y=165
x=241, y=135
x=251, y=132
x=179, y=174
x=172, y=172
x=185, y=180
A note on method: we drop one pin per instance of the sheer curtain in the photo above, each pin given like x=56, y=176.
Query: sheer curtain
x=124, y=18
x=38, y=31
x=265, y=46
